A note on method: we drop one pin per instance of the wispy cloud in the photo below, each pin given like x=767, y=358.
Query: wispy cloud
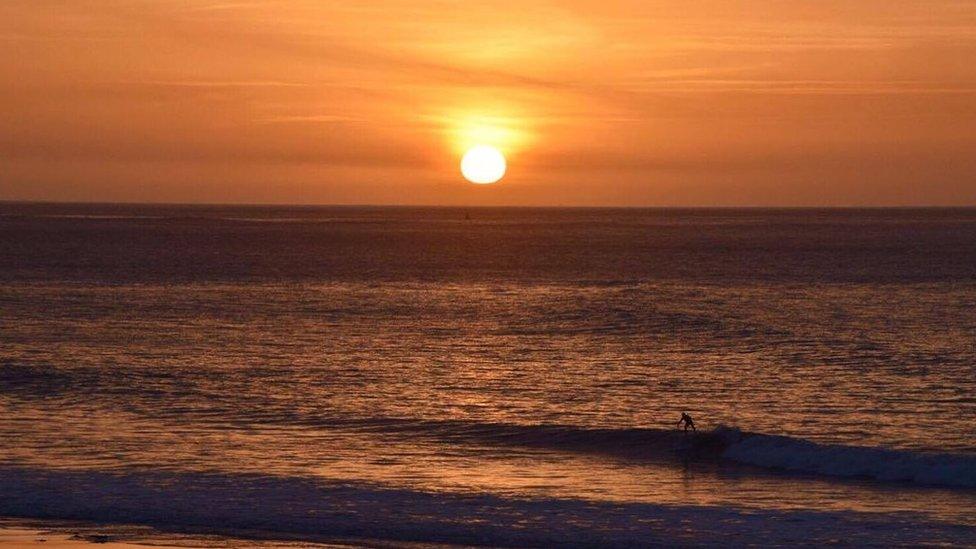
x=633, y=88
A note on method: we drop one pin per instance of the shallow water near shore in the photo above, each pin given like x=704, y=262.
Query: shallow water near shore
x=492, y=377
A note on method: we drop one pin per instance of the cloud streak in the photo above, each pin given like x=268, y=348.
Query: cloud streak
x=636, y=93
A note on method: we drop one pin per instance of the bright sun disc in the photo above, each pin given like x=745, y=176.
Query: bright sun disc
x=483, y=164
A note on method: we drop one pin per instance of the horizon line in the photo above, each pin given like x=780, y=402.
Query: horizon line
x=490, y=206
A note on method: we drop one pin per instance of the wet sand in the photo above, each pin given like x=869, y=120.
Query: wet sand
x=60, y=535
x=27, y=537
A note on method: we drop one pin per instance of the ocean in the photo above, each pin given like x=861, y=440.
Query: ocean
x=492, y=376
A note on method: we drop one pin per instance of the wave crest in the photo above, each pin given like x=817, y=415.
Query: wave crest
x=799, y=455
x=776, y=452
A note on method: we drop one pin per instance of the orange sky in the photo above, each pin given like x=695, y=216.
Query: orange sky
x=719, y=102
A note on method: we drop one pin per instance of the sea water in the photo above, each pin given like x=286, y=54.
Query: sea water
x=489, y=376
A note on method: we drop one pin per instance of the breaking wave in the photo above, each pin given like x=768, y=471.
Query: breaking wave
x=309, y=509
x=724, y=443
x=836, y=460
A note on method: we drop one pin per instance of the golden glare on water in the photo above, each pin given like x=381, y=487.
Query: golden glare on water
x=483, y=164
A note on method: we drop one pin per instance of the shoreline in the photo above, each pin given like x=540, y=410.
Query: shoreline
x=55, y=534
x=14, y=535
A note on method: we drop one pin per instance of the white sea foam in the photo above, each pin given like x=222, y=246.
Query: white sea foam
x=799, y=455
x=308, y=509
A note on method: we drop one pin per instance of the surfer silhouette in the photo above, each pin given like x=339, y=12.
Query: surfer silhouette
x=689, y=423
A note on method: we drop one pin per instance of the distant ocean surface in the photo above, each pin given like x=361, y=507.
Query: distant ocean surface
x=495, y=377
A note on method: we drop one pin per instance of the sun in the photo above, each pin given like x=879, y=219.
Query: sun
x=483, y=164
